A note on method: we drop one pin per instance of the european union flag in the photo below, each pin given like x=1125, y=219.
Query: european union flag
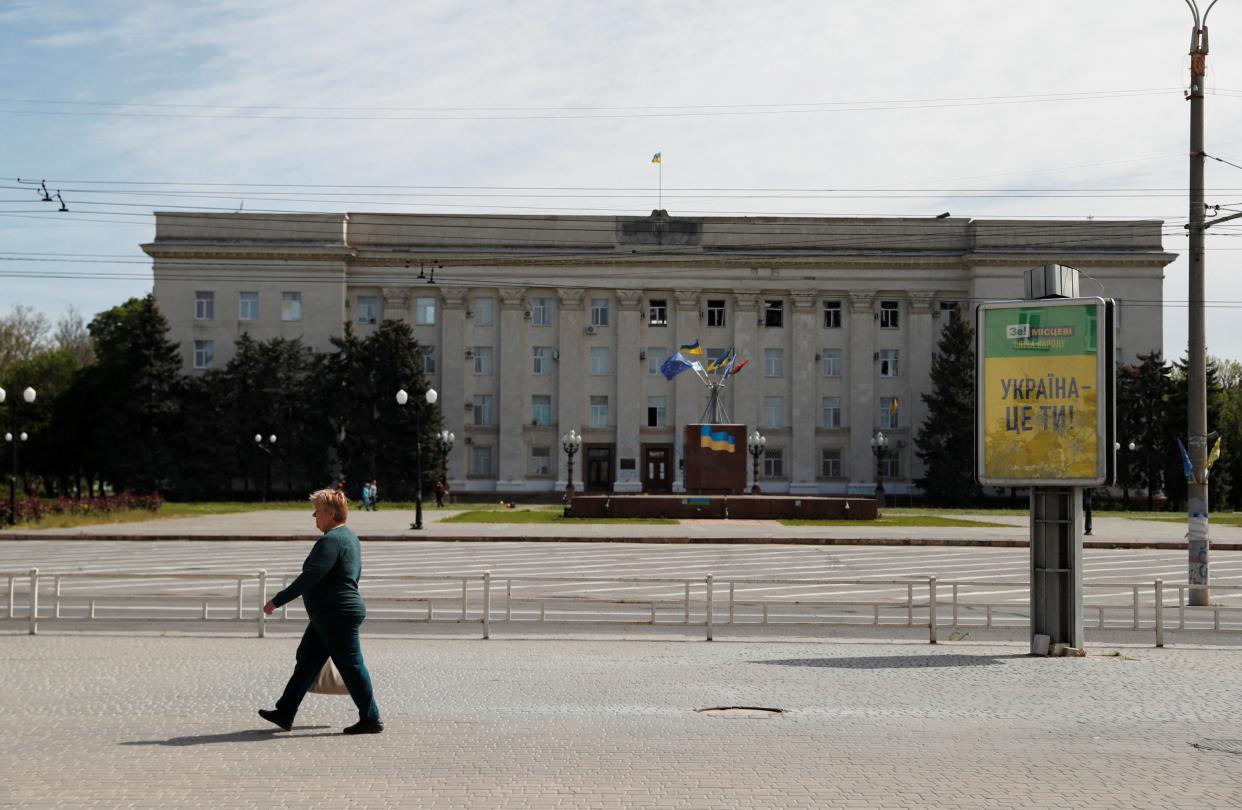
x=674, y=366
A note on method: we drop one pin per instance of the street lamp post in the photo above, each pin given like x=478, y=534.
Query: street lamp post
x=267, y=449
x=571, y=442
x=756, y=444
x=879, y=446
x=402, y=398
x=446, y=446
x=15, y=437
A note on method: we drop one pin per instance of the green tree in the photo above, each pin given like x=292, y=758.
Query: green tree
x=945, y=442
x=373, y=436
x=1230, y=427
x=1176, y=426
x=1143, y=393
x=136, y=381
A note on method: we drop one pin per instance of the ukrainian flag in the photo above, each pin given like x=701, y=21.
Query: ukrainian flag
x=691, y=348
x=655, y=158
x=716, y=439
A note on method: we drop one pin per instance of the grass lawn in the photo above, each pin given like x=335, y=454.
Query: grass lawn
x=900, y=520
x=542, y=516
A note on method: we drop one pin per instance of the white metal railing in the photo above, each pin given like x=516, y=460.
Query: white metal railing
x=708, y=602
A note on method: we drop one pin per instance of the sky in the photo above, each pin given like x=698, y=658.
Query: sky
x=984, y=108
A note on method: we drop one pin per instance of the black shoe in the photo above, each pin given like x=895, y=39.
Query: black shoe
x=365, y=727
x=275, y=717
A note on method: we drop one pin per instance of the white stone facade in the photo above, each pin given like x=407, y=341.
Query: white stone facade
x=541, y=324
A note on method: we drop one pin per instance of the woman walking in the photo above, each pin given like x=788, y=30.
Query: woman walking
x=328, y=586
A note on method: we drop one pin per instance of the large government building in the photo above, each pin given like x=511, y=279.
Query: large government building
x=534, y=325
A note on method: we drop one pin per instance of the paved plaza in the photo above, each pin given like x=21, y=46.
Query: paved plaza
x=149, y=721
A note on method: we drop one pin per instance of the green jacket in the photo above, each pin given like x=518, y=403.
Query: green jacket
x=328, y=583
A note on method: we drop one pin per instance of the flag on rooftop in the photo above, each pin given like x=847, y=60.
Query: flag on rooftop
x=691, y=348
x=655, y=158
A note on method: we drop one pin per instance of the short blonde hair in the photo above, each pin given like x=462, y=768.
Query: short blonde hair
x=332, y=499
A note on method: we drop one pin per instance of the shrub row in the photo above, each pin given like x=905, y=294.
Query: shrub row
x=34, y=509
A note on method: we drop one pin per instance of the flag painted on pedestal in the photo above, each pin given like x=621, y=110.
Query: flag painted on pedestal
x=716, y=439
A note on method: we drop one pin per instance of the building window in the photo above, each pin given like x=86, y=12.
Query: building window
x=599, y=360
x=774, y=362
x=541, y=461
x=541, y=410
x=657, y=312
x=483, y=360
x=890, y=465
x=368, y=306
x=773, y=412
x=429, y=359
x=888, y=362
x=425, y=313
x=774, y=463
x=830, y=463
x=543, y=359
x=773, y=313
x=715, y=312
x=291, y=306
x=657, y=411
x=832, y=314
x=599, y=412
x=599, y=312
x=888, y=315
x=541, y=311
x=832, y=362
x=656, y=355
x=204, y=306
x=481, y=461
x=484, y=311
x=248, y=306
x=832, y=412
x=204, y=353
x=889, y=413
x=482, y=410
x=951, y=311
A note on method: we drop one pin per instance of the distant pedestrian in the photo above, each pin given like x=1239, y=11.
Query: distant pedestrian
x=1086, y=508
x=366, y=496
x=439, y=493
x=374, y=495
x=328, y=586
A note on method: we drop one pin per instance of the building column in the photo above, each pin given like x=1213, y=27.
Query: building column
x=861, y=406
x=570, y=395
x=805, y=393
x=453, y=382
x=921, y=346
x=514, y=405
x=689, y=396
x=396, y=303
x=628, y=393
x=746, y=384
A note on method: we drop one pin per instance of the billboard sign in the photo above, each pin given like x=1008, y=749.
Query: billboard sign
x=1044, y=392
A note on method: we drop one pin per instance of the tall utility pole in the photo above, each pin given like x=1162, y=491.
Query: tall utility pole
x=1197, y=439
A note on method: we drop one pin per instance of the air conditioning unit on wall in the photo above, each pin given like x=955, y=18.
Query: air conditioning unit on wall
x=590, y=329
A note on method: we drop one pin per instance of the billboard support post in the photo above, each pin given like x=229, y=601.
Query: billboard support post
x=1045, y=412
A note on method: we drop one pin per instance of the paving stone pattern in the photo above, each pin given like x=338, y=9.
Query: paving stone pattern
x=150, y=721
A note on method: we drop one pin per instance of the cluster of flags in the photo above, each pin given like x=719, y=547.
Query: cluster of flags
x=687, y=357
x=1189, y=468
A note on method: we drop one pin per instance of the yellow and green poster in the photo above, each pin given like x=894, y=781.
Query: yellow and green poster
x=1041, y=398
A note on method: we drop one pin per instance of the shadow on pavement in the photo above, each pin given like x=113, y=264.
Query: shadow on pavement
x=896, y=661
x=250, y=735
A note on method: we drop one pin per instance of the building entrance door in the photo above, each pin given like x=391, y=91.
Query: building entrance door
x=657, y=468
x=599, y=468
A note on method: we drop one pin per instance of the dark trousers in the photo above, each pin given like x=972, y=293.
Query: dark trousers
x=337, y=638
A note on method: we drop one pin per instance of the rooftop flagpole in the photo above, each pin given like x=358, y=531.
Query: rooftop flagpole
x=659, y=161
